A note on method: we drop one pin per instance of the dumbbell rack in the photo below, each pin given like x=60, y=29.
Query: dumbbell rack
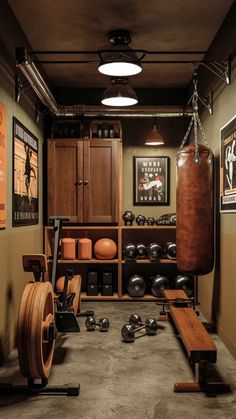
x=120, y=234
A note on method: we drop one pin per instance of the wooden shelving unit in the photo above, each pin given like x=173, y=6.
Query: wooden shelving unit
x=121, y=268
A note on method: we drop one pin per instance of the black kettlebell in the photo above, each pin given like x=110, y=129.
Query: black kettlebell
x=128, y=217
x=185, y=283
x=150, y=221
x=141, y=250
x=170, y=250
x=136, y=286
x=130, y=251
x=159, y=283
x=154, y=251
x=140, y=220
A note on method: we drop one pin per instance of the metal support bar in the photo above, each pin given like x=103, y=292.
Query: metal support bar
x=21, y=88
x=65, y=390
x=222, y=70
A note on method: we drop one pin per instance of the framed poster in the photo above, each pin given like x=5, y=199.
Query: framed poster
x=3, y=137
x=228, y=167
x=25, y=176
x=151, y=180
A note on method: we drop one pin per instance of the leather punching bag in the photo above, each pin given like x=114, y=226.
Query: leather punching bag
x=195, y=210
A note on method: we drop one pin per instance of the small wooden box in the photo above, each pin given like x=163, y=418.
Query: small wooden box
x=84, y=249
x=68, y=249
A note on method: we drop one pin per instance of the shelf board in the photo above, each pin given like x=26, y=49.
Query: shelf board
x=78, y=261
x=148, y=227
x=84, y=296
x=84, y=227
x=150, y=261
x=146, y=297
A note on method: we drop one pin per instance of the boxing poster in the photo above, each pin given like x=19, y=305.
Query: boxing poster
x=3, y=137
x=25, y=176
x=151, y=180
x=228, y=167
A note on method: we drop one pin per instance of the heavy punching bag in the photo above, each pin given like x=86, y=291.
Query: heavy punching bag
x=195, y=210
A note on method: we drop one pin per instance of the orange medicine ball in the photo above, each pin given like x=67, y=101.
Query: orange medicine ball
x=105, y=249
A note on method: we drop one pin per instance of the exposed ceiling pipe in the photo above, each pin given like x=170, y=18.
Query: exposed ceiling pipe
x=36, y=81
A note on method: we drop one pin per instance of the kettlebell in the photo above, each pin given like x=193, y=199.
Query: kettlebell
x=136, y=286
x=128, y=217
x=140, y=220
x=150, y=221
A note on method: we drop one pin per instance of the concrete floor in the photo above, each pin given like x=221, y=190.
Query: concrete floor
x=120, y=380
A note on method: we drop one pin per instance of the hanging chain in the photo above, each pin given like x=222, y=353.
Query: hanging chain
x=195, y=122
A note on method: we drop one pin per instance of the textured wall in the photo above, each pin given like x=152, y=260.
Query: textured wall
x=217, y=291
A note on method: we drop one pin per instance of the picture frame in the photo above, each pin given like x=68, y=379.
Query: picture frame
x=228, y=166
x=151, y=183
x=25, y=176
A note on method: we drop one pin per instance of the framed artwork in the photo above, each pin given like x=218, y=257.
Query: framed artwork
x=25, y=176
x=3, y=137
x=151, y=180
x=228, y=167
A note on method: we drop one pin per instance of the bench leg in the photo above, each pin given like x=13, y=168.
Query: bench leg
x=201, y=383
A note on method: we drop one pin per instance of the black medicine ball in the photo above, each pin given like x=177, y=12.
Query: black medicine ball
x=141, y=250
x=185, y=283
x=154, y=251
x=136, y=286
x=159, y=283
x=170, y=250
x=129, y=251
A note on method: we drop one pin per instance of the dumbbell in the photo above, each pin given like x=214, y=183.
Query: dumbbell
x=128, y=330
x=103, y=324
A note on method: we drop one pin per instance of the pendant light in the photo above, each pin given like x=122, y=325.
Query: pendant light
x=154, y=138
x=121, y=61
x=119, y=93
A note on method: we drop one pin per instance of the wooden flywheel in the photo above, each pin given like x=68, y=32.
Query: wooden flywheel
x=36, y=330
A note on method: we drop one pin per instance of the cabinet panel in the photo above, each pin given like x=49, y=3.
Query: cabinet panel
x=64, y=169
x=100, y=171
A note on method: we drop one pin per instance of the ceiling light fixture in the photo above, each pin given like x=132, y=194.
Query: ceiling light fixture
x=121, y=60
x=119, y=93
x=154, y=138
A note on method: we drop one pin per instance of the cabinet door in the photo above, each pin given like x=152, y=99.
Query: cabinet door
x=65, y=175
x=100, y=181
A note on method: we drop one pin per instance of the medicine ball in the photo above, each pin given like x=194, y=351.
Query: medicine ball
x=136, y=286
x=159, y=283
x=105, y=249
x=184, y=282
x=128, y=217
x=170, y=250
x=141, y=250
x=154, y=251
x=140, y=220
x=129, y=251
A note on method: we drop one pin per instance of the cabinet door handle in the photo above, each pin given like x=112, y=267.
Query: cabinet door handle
x=85, y=182
x=79, y=182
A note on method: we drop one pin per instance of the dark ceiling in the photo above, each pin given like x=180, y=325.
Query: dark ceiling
x=163, y=25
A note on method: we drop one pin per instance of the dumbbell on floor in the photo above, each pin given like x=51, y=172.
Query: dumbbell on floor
x=103, y=324
x=135, y=324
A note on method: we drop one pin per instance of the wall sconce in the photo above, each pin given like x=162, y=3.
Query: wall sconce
x=119, y=93
x=154, y=138
x=121, y=61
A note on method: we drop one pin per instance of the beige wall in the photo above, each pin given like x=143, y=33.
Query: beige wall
x=217, y=291
x=134, y=133
x=15, y=241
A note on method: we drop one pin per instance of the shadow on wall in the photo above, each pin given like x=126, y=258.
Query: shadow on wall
x=172, y=130
x=216, y=282
x=5, y=338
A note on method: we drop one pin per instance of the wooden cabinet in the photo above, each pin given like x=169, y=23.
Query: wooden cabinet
x=84, y=180
x=121, y=268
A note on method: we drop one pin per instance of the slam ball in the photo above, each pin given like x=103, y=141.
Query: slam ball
x=105, y=249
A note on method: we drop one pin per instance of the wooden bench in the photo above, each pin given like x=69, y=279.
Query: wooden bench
x=199, y=346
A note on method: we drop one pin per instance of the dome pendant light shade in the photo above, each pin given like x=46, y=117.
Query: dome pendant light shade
x=121, y=61
x=154, y=138
x=119, y=93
